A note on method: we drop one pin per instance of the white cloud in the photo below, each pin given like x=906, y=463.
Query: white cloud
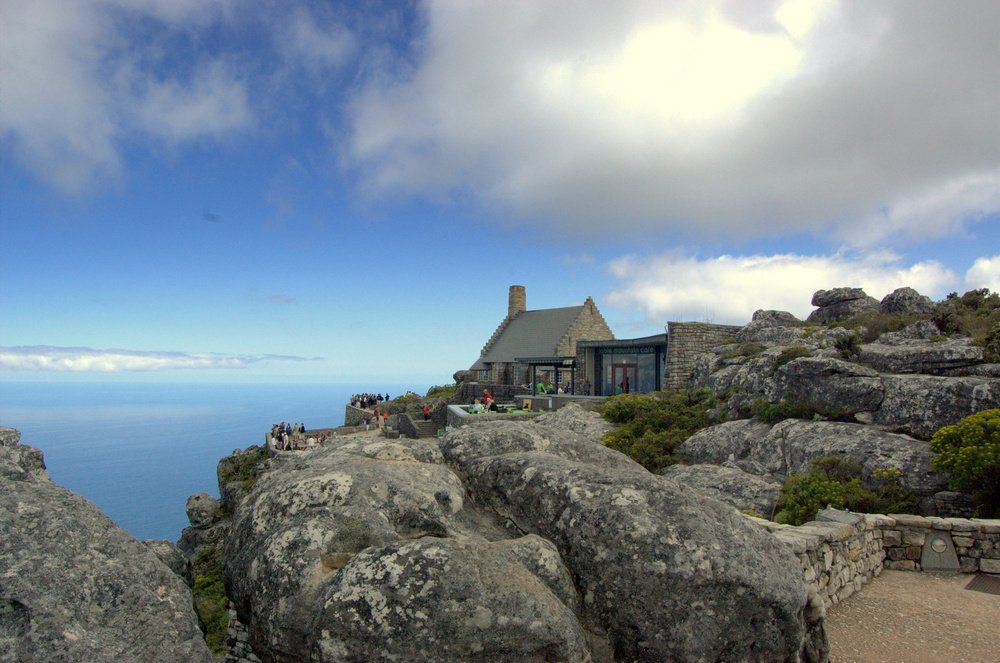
x=48, y=358
x=700, y=119
x=733, y=287
x=984, y=273
x=301, y=38
x=78, y=83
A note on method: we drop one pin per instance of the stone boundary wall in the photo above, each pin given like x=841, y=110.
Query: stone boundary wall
x=687, y=340
x=355, y=416
x=838, y=559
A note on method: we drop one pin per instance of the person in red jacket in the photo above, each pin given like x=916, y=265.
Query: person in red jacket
x=427, y=412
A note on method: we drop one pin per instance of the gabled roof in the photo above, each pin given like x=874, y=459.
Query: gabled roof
x=529, y=334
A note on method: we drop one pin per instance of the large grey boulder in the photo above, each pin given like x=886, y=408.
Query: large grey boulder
x=667, y=573
x=76, y=587
x=907, y=301
x=446, y=599
x=924, y=404
x=829, y=383
x=791, y=445
x=840, y=303
x=511, y=541
x=202, y=510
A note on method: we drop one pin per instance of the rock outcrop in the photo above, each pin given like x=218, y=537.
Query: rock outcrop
x=791, y=445
x=840, y=303
x=869, y=400
x=76, y=587
x=507, y=541
x=904, y=381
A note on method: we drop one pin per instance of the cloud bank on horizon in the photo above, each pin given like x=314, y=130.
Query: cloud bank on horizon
x=88, y=360
x=757, y=150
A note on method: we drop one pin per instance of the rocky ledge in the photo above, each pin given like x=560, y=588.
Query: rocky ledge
x=506, y=541
x=76, y=587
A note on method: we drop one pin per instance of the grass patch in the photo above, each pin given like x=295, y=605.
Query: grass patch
x=746, y=349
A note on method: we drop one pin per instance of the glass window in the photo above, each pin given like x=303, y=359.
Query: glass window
x=647, y=373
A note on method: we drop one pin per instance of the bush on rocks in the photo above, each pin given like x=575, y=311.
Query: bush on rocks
x=650, y=428
x=836, y=482
x=970, y=451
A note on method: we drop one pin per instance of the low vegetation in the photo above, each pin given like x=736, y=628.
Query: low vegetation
x=651, y=427
x=836, y=482
x=970, y=451
x=772, y=413
x=442, y=391
x=787, y=355
x=976, y=314
x=210, y=599
x=244, y=467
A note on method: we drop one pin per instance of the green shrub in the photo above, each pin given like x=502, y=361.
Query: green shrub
x=990, y=344
x=650, y=428
x=443, y=391
x=970, y=451
x=789, y=354
x=848, y=345
x=803, y=495
x=210, y=600
x=975, y=314
x=837, y=482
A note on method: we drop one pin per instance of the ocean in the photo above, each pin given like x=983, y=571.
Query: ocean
x=139, y=450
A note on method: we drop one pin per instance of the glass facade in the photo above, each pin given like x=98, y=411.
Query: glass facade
x=636, y=369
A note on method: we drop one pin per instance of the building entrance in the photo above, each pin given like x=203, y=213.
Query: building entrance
x=623, y=378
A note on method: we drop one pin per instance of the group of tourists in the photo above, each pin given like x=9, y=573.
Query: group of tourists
x=543, y=388
x=288, y=436
x=368, y=401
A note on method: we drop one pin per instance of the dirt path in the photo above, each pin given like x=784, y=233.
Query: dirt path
x=916, y=618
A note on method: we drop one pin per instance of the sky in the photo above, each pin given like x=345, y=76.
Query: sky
x=306, y=191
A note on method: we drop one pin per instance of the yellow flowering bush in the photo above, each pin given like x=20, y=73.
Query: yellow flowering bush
x=970, y=451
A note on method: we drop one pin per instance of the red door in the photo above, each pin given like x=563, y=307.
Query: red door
x=623, y=378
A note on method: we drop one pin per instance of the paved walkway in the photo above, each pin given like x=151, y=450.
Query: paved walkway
x=909, y=617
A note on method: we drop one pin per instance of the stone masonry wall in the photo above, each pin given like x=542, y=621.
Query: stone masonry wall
x=589, y=326
x=687, y=340
x=977, y=542
x=838, y=560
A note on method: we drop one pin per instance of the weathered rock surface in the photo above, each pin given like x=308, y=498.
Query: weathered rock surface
x=730, y=484
x=840, y=303
x=912, y=350
x=201, y=510
x=76, y=587
x=791, y=445
x=907, y=301
x=512, y=541
x=170, y=554
x=917, y=403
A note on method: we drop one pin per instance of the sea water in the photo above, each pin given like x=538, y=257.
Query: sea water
x=139, y=450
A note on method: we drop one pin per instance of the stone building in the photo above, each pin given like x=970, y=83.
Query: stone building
x=540, y=345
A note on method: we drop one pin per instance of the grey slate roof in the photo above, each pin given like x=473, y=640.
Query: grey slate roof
x=530, y=334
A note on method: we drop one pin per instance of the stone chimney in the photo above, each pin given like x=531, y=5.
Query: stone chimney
x=516, y=301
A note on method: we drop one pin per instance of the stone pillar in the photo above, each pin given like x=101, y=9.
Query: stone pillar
x=516, y=301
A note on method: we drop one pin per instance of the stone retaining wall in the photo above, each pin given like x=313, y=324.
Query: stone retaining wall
x=838, y=559
x=687, y=340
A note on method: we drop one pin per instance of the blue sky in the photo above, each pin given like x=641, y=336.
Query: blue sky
x=320, y=191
